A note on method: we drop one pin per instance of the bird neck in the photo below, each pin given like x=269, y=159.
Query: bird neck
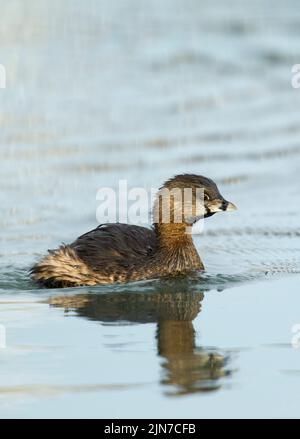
x=173, y=234
x=176, y=247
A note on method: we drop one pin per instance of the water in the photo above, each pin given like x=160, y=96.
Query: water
x=99, y=91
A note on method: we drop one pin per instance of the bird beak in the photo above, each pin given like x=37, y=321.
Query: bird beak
x=230, y=207
x=220, y=206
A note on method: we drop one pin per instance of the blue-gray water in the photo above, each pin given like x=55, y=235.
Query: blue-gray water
x=99, y=91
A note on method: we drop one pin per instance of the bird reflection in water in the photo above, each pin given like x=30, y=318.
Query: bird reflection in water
x=186, y=368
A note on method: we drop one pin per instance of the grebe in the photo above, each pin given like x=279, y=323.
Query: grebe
x=122, y=252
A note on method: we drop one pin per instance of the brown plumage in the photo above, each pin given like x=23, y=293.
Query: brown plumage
x=122, y=252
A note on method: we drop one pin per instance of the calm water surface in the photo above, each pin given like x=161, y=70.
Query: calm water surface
x=99, y=91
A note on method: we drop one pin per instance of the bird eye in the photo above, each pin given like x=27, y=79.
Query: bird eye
x=206, y=197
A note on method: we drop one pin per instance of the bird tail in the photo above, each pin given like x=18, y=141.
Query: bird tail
x=62, y=268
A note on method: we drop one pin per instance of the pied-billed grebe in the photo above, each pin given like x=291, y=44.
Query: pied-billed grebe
x=122, y=252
